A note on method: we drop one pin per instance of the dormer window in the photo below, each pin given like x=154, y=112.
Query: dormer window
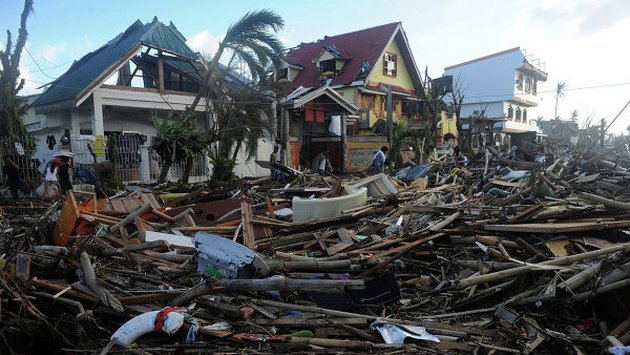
x=390, y=64
x=283, y=74
x=327, y=69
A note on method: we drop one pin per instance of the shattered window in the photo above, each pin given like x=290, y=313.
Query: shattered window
x=390, y=63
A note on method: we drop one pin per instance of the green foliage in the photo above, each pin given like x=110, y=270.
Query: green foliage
x=179, y=139
x=405, y=136
x=241, y=112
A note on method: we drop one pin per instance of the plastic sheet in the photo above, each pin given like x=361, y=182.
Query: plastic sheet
x=397, y=333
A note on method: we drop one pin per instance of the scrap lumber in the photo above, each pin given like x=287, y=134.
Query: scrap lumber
x=249, y=239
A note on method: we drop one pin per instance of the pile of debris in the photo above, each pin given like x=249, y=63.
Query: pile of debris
x=497, y=256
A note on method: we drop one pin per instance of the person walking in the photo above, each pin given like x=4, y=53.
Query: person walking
x=321, y=162
x=12, y=172
x=378, y=161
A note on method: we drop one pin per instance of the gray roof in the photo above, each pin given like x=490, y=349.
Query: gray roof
x=87, y=69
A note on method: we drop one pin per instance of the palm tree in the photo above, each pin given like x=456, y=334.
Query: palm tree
x=235, y=110
x=560, y=91
x=251, y=40
x=179, y=140
x=575, y=114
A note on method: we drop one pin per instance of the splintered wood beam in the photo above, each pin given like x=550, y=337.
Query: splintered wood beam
x=564, y=227
x=249, y=238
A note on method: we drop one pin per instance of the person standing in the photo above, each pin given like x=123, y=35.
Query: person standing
x=273, y=159
x=378, y=161
x=64, y=175
x=52, y=176
x=12, y=171
x=321, y=162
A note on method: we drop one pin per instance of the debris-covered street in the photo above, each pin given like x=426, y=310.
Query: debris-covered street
x=498, y=256
x=337, y=177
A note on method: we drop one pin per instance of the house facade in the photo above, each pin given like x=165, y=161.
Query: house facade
x=109, y=99
x=362, y=67
x=502, y=89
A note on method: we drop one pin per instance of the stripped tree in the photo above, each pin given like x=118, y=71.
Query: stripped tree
x=13, y=107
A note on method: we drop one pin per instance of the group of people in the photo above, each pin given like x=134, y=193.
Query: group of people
x=321, y=163
x=56, y=173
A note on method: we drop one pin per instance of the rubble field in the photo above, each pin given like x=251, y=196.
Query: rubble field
x=499, y=256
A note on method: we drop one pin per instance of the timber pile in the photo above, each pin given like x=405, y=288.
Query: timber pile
x=501, y=256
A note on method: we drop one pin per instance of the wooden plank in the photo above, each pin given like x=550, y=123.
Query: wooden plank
x=249, y=238
x=408, y=246
x=339, y=247
x=311, y=323
x=150, y=298
x=564, y=227
x=270, y=207
x=67, y=222
x=345, y=236
x=71, y=293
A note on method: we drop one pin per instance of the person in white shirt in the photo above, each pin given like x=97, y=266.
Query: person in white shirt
x=378, y=160
x=52, y=176
x=321, y=163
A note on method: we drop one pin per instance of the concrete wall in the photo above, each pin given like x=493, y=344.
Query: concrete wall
x=487, y=80
x=249, y=167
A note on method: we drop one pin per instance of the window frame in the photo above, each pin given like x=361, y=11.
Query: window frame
x=389, y=57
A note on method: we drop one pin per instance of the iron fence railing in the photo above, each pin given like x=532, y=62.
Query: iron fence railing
x=22, y=153
x=124, y=151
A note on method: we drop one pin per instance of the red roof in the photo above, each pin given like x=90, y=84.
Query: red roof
x=355, y=47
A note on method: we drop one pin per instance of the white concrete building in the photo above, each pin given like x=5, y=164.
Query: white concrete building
x=113, y=95
x=504, y=85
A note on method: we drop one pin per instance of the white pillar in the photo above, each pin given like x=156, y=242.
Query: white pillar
x=75, y=122
x=98, y=128
x=145, y=163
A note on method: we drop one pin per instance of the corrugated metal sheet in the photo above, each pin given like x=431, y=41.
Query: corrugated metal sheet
x=92, y=65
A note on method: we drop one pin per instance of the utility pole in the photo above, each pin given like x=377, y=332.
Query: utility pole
x=603, y=132
x=390, y=116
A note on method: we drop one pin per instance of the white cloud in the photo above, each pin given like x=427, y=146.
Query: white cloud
x=30, y=86
x=204, y=42
x=52, y=51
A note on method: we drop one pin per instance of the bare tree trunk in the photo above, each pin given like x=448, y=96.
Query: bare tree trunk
x=190, y=161
x=165, y=168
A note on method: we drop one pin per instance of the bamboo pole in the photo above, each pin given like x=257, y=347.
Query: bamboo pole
x=565, y=260
x=130, y=218
x=606, y=202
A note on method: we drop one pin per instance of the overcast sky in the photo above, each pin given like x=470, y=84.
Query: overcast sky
x=583, y=42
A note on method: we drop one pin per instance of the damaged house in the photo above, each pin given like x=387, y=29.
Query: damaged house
x=500, y=94
x=112, y=95
x=337, y=95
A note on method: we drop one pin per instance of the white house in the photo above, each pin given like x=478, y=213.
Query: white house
x=504, y=86
x=113, y=93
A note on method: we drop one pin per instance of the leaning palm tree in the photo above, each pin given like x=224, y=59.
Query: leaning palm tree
x=251, y=40
x=560, y=91
x=575, y=115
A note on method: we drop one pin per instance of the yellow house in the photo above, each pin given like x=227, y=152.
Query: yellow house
x=361, y=66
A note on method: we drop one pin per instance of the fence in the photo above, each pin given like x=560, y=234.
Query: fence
x=199, y=171
x=124, y=151
x=21, y=151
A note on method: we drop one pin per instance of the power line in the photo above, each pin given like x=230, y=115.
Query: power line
x=54, y=67
x=37, y=64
